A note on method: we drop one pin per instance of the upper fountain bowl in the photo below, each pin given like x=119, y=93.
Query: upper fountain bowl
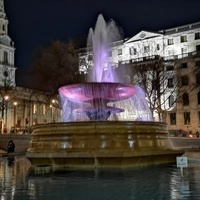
x=86, y=92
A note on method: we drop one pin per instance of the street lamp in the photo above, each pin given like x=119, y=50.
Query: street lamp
x=15, y=104
x=6, y=98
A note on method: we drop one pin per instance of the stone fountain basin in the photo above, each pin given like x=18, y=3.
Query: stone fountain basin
x=87, y=92
x=96, y=144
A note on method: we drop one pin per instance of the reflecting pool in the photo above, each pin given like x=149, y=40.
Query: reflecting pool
x=150, y=183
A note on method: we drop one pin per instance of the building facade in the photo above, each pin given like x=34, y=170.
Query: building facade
x=20, y=108
x=176, y=52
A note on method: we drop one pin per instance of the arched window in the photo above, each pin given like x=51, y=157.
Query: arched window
x=198, y=78
x=185, y=99
x=198, y=97
x=171, y=101
x=5, y=57
x=184, y=80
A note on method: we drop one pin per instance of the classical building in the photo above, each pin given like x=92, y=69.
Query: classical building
x=20, y=108
x=169, y=59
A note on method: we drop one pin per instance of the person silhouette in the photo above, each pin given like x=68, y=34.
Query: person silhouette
x=11, y=147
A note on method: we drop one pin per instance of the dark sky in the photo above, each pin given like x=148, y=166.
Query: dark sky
x=34, y=23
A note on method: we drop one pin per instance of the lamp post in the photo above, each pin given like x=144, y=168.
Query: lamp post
x=6, y=97
x=14, y=121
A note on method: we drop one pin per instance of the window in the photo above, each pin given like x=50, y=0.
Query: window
x=82, y=61
x=184, y=65
x=131, y=51
x=198, y=78
x=170, y=83
x=34, y=108
x=154, y=84
x=184, y=80
x=198, y=49
x=146, y=49
x=5, y=57
x=197, y=36
x=43, y=109
x=186, y=116
x=183, y=38
x=172, y=118
x=119, y=51
x=170, y=41
x=184, y=51
x=198, y=97
x=199, y=116
x=171, y=101
x=90, y=58
x=135, y=51
x=185, y=99
x=169, y=68
x=158, y=47
x=197, y=63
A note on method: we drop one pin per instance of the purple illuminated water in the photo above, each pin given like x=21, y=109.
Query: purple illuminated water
x=99, y=39
x=104, y=96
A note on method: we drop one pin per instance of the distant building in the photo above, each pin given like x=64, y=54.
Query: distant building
x=177, y=50
x=20, y=108
x=7, y=51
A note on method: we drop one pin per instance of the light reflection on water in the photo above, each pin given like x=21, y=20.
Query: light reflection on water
x=152, y=183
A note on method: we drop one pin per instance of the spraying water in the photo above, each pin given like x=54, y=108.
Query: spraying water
x=104, y=96
x=99, y=40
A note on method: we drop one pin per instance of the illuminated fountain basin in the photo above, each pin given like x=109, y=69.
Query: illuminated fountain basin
x=97, y=144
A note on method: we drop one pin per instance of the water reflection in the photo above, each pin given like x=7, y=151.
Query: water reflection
x=152, y=183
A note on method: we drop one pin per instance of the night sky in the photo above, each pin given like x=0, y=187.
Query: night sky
x=34, y=23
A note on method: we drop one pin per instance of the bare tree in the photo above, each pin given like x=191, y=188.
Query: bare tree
x=159, y=80
x=55, y=66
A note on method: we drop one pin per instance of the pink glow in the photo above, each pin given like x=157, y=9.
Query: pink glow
x=110, y=92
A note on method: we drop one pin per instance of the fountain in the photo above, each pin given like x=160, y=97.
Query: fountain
x=106, y=122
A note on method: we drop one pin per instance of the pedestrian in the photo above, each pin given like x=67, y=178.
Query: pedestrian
x=11, y=147
x=197, y=134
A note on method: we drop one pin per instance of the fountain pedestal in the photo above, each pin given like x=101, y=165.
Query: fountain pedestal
x=106, y=144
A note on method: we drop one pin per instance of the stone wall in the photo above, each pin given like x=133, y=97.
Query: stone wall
x=21, y=142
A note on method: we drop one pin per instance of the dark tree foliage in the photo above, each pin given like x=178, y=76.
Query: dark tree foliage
x=55, y=66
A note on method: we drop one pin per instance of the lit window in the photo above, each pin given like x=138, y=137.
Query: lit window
x=34, y=108
x=43, y=109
